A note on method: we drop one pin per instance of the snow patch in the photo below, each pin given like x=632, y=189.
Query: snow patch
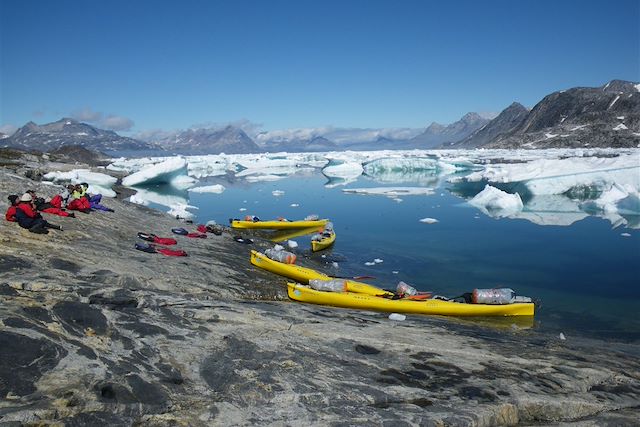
x=621, y=126
x=613, y=102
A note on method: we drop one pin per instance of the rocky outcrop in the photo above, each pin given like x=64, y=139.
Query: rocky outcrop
x=64, y=132
x=504, y=124
x=607, y=116
x=93, y=332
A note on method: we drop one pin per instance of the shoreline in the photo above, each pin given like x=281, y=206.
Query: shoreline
x=95, y=332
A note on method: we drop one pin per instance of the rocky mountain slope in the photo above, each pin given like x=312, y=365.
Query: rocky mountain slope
x=230, y=140
x=606, y=116
x=437, y=134
x=67, y=131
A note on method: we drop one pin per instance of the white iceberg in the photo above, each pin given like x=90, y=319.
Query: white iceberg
x=497, y=203
x=99, y=183
x=172, y=171
x=338, y=168
x=429, y=220
x=277, y=193
x=180, y=211
x=217, y=189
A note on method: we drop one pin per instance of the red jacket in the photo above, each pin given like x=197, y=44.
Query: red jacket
x=11, y=214
x=28, y=210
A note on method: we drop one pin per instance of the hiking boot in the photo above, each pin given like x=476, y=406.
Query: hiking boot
x=72, y=215
x=55, y=227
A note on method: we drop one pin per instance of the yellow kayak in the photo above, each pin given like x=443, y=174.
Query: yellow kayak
x=304, y=293
x=282, y=235
x=304, y=274
x=324, y=243
x=277, y=225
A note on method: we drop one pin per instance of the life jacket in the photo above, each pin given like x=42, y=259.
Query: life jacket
x=11, y=214
x=81, y=204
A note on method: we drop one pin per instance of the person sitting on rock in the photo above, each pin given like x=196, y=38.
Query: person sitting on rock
x=94, y=200
x=11, y=211
x=54, y=206
x=27, y=216
x=76, y=201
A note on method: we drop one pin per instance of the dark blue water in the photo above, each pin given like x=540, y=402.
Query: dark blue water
x=585, y=276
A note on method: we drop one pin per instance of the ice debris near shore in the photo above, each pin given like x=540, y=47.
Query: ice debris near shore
x=99, y=183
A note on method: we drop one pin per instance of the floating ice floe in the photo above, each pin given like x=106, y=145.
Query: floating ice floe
x=625, y=234
x=180, y=211
x=217, y=188
x=391, y=191
x=429, y=220
x=172, y=171
x=497, y=203
x=378, y=260
x=369, y=263
x=294, y=205
x=99, y=183
x=277, y=193
x=242, y=209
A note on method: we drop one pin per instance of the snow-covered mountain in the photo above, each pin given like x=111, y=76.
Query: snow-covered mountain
x=229, y=139
x=437, y=134
x=51, y=136
x=606, y=116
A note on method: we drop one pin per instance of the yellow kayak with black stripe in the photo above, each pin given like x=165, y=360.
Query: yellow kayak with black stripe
x=304, y=274
x=276, y=225
x=361, y=301
x=324, y=243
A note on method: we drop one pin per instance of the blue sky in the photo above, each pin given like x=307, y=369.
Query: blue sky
x=141, y=65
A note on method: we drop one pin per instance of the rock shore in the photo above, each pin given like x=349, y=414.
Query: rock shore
x=93, y=332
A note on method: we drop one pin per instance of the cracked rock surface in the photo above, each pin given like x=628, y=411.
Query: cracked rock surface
x=93, y=332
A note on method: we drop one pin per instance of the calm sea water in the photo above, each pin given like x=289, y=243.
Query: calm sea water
x=586, y=276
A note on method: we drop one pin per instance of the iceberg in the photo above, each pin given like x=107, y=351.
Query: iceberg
x=180, y=211
x=342, y=169
x=171, y=171
x=217, y=189
x=99, y=183
x=497, y=203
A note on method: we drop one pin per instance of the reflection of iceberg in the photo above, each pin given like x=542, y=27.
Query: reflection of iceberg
x=497, y=203
x=162, y=195
x=171, y=171
x=216, y=188
x=347, y=170
x=337, y=182
x=391, y=191
x=551, y=209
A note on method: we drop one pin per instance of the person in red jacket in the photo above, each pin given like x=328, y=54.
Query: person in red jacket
x=54, y=206
x=27, y=216
x=11, y=212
